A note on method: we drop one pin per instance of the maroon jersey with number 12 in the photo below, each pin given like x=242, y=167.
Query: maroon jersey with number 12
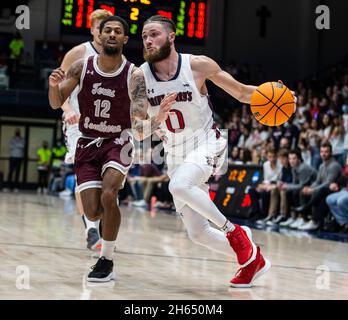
x=104, y=100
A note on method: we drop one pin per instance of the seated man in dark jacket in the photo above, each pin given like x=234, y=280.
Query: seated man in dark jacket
x=328, y=173
x=302, y=175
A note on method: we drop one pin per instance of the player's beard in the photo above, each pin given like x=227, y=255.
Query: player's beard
x=112, y=51
x=158, y=54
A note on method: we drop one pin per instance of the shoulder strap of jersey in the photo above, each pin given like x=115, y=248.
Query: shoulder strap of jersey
x=148, y=76
x=89, y=46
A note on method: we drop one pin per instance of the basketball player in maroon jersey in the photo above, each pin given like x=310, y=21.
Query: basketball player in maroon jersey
x=105, y=150
x=71, y=115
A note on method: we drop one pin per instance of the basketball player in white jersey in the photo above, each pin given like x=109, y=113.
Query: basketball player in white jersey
x=71, y=114
x=168, y=92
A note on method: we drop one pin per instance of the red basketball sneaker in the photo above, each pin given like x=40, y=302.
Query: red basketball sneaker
x=246, y=276
x=242, y=243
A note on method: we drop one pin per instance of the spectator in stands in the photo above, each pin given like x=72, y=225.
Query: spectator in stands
x=164, y=197
x=259, y=135
x=43, y=166
x=315, y=109
x=314, y=140
x=271, y=172
x=57, y=156
x=276, y=136
x=278, y=198
x=60, y=183
x=16, y=47
x=290, y=132
x=302, y=107
x=345, y=126
x=302, y=175
x=338, y=201
x=149, y=176
x=57, y=159
x=326, y=127
x=337, y=139
x=284, y=143
x=234, y=131
x=245, y=156
x=263, y=156
x=234, y=157
x=246, y=139
x=256, y=157
x=17, y=147
x=312, y=198
x=303, y=144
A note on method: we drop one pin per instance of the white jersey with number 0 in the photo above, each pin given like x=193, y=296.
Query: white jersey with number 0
x=191, y=116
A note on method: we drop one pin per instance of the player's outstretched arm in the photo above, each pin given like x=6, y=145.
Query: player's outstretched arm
x=209, y=69
x=142, y=125
x=61, y=85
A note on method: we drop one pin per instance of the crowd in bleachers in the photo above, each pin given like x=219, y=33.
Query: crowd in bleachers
x=304, y=160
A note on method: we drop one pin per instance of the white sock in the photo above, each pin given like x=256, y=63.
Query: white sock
x=97, y=223
x=184, y=186
x=201, y=232
x=228, y=227
x=89, y=224
x=107, y=250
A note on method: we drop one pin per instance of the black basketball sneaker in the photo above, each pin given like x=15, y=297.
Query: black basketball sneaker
x=102, y=271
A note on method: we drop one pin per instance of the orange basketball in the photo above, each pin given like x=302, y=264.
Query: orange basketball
x=272, y=104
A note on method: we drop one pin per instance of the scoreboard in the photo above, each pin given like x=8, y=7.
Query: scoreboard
x=232, y=195
x=190, y=16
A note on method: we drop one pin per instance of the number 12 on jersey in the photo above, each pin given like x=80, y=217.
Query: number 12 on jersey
x=102, y=108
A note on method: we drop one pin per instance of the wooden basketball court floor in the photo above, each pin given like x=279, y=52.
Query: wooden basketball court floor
x=43, y=256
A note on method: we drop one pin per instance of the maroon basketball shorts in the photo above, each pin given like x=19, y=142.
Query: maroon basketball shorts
x=94, y=156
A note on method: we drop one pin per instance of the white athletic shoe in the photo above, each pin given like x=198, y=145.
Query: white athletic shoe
x=309, y=226
x=288, y=222
x=298, y=223
x=65, y=193
x=139, y=203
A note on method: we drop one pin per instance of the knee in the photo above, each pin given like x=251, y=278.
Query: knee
x=109, y=195
x=342, y=203
x=176, y=188
x=93, y=212
x=330, y=201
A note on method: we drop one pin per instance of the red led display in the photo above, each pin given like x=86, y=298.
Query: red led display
x=189, y=16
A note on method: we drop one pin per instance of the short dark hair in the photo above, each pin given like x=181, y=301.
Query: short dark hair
x=169, y=23
x=326, y=144
x=296, y=152
x=115, y=18
x=283, y=152
x=272, y=151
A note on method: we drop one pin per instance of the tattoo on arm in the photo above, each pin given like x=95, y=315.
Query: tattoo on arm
x=75, y=70
x=142, y=125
